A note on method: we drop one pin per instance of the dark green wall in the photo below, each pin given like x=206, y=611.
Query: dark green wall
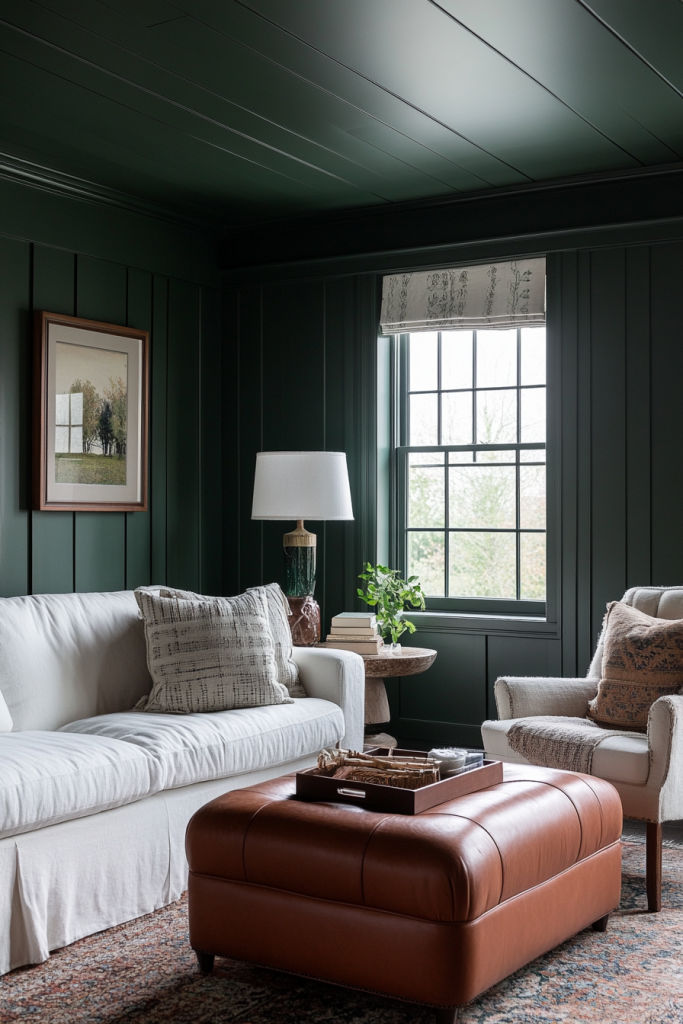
x=81, y=259
x=302, y=356
x=299, y=373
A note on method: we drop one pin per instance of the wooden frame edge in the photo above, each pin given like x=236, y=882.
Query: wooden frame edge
x=41, y=320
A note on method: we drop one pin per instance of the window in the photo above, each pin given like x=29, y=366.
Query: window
x=471, y=465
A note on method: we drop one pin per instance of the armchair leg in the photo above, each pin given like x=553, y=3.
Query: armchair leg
x=449, y=1016
x=653, y=865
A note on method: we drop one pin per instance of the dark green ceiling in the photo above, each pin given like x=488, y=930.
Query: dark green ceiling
x=245, y=110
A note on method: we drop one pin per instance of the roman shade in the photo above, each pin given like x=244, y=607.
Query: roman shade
x=487, y=296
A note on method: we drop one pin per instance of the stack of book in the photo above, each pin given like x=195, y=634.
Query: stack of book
x=355, y=631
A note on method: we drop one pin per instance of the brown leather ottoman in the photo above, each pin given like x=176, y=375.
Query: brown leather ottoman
x=433, y=908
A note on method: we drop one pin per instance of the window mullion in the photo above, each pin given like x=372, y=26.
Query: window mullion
x=474, y=392
x=439, y=433
x=447, y=523
x=518, y=537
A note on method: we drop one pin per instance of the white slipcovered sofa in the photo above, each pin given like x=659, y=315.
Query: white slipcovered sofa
x=95, y=797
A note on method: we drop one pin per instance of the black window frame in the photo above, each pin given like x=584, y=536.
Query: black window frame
x=400, y=454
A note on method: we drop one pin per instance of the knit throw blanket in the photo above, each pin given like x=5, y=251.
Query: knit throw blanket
x=565, y=743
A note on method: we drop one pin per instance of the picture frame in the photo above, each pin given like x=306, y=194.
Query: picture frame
x=90, y=415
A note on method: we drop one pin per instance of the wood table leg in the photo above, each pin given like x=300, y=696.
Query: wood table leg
x=653, y=864
x=449, y=1016
x=376, y=702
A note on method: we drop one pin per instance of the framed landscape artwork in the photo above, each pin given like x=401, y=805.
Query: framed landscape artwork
x=91, y=385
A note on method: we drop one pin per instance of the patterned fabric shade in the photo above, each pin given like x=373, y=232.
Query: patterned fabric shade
x=488, y=296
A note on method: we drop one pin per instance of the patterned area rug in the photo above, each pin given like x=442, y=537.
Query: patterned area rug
x=145, y=972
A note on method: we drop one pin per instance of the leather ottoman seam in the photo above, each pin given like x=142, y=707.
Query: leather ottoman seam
x=411, y=917
x=464, y=817
x=362, y=863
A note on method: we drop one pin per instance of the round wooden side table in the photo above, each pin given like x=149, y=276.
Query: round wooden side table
x=378, y=667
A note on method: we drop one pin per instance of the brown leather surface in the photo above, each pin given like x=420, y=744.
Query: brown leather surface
x=433, y=962
x=454, y=862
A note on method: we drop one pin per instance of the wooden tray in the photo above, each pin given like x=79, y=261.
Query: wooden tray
x=310, y=785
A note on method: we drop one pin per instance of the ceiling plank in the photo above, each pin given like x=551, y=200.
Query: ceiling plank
x=564, y=48
x=654, y=33
x=435, y=64
x=163, y=110
x=212, y=74
x=356, y=97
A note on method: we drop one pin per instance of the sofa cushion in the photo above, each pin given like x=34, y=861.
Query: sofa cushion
x=67, y=656
x=46, y=777
x=617, y=759
x=642, y=661
x=216, y=654
x=199, y=747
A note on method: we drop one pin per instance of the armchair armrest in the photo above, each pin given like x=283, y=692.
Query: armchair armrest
x=521, y=697
x=337, y=676
x=665, y=739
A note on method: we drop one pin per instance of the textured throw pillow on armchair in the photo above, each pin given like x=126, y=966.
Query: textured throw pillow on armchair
x=208, y=653
x=642, y=661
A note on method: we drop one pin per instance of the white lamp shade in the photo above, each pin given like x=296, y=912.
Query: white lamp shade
x=301, y=485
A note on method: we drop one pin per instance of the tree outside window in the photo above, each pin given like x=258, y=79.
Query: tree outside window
x=473, y=422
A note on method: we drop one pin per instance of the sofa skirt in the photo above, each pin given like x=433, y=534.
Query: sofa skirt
x=61, y=883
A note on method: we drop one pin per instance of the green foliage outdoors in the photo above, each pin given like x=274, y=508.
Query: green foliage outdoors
x=104, y=417
x=482, y=495
x=89, y=469
x=388, y=594
x=91, y=410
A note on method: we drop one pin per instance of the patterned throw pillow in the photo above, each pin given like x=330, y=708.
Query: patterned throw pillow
x=642, y=661
x=210, y=655
x=278, y=613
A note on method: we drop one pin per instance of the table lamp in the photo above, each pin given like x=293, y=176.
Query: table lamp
x=301, y=485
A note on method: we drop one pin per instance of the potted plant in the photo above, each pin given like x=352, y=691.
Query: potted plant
x=389, y=594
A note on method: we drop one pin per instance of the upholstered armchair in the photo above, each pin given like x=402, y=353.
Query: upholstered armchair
x=646, y=770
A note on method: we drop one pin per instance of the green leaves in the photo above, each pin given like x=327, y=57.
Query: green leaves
x=389, y=595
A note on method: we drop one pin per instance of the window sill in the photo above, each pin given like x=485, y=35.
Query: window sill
x=483, y=622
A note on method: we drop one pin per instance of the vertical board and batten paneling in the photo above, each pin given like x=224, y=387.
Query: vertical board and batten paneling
x=15, y=327
x=210, y=441
x=608, y=423
x=304, y=357
x=138, y=524
x=293, y=391
x=447, y=703
x=52, y=533
x=182, y=434
x=615, y=325
x=178, y=540
x=157, y=426
x=565, y=294
x=249, y=554
x=339, y=308
x=581, y=572
x=666, y=273
x=231, y=440
x=638, y=423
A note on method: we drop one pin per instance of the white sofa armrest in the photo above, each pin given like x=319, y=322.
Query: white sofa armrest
x=522, y=697
x=337, y=676
x=665, y=739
